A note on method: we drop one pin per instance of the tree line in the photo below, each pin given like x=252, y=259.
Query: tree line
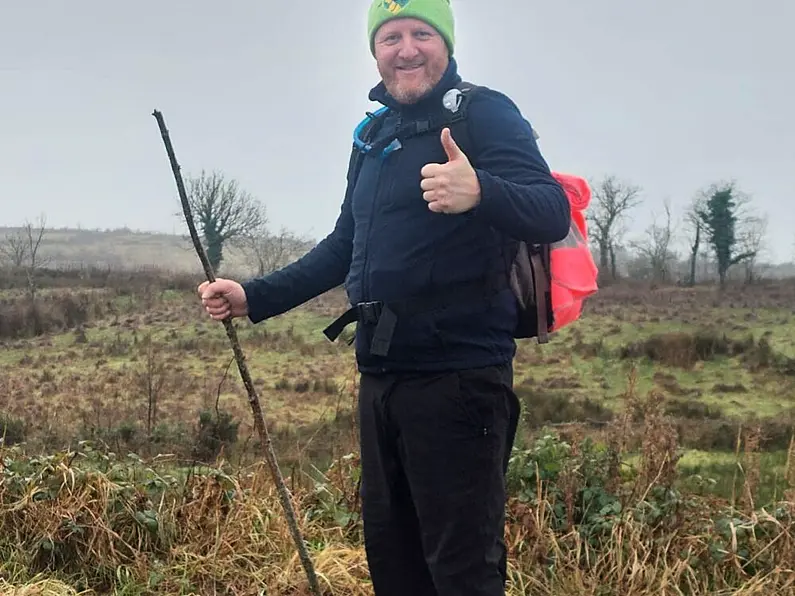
x=226, y=216
x=718, y=230
x=719, y=226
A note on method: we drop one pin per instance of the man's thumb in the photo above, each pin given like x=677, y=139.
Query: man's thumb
x=450, y=147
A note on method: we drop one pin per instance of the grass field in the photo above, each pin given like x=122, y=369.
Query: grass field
x=124, y=248
x=653, y=458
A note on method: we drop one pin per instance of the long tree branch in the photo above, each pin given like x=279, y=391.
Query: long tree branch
x=259, y=422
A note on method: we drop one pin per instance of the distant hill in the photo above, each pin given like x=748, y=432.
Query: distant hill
x=124, y=248
x=128, y=249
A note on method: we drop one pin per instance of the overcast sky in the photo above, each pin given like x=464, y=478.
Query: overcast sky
x=667, y=95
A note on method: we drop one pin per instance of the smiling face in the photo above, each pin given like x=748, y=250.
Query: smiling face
x=411, y=57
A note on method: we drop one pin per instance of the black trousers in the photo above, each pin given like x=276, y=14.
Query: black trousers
x=434, y=452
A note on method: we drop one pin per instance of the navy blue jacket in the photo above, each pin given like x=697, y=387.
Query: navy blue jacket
x=387, y=245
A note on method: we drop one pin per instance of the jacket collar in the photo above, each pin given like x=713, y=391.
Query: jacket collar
x=449, y=79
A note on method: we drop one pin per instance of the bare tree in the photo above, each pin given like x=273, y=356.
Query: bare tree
x=271, y=251
x=222, y=211
x=656, y=246
x=612, y=201
x=14, y=248
x=751, y=242
x=34, y=234
x=152, y=378
x=707, y=259
x=694, y=229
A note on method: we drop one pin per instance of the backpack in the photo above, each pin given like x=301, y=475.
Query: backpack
x=549, y=281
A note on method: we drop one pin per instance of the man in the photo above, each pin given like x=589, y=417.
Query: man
x=436, y=405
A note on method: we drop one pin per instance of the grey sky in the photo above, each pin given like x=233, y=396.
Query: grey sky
x=668, y=95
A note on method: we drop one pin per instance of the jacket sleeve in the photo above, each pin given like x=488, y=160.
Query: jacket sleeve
x=323, y=268
x=519, y=195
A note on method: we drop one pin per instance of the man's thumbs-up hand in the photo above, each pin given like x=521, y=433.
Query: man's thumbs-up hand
x=450, y=187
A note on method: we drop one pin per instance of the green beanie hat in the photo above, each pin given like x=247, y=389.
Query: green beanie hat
x=437, y=13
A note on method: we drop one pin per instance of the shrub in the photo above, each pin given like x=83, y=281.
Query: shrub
x=552, y=406
x=12, y=430
x=214, y=434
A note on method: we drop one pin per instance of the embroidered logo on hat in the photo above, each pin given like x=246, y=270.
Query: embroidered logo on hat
x=395, y=6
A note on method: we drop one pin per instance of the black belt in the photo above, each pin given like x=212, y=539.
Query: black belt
x=385, y=315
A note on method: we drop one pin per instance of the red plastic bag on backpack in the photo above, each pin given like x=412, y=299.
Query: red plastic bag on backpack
x=573, y=271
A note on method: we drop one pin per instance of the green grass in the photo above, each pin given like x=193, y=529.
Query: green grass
x=290, y=359
x=724, y=473
x=301, y=323
x=94, y=387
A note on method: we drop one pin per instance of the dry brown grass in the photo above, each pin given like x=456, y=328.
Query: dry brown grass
x=44, y=587
x=581, y=521
x=213, y=531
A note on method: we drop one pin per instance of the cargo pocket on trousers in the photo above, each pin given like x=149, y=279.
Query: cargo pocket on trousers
x=480, y=398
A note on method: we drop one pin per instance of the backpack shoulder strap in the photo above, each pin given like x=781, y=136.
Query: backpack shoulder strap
x=459, y=120
x=363, y=134
x=454, y=115
x=458, y=105
x=529, y=271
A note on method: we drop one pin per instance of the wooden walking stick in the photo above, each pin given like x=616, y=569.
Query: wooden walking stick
x=253, y=400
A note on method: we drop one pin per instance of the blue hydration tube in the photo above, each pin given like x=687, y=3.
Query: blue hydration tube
x=367, y=147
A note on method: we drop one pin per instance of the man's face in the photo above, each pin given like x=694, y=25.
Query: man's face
x=411, y=58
